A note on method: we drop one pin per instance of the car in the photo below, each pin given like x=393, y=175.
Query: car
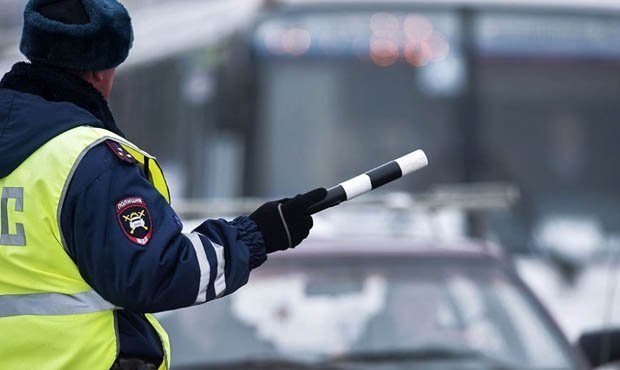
x=375, y=303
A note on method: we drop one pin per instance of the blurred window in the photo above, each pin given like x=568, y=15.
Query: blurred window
x=341, y=92
x=547, y=115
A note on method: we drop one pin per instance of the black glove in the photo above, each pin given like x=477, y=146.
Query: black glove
x=285, y=223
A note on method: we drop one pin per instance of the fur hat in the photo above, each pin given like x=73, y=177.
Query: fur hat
x=81, y=35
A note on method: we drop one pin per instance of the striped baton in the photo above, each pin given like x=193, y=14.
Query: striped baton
x=371, y=180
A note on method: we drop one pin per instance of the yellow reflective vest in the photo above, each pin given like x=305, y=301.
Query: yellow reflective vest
x=50, y=318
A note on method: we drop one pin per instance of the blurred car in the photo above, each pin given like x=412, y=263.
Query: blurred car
x=375, y=304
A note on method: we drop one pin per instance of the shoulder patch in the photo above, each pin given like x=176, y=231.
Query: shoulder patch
x=120, y=152
x=135, y=220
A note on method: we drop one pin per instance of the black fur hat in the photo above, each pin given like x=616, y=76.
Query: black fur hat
x=81, y=35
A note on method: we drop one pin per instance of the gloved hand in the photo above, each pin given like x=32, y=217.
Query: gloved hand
x=285, y=223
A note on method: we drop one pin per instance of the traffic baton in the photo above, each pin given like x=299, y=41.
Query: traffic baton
x=371, y=180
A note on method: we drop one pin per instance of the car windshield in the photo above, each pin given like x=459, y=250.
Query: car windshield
x=455, y=311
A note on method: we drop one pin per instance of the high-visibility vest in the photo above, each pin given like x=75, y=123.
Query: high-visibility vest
x=50, y=318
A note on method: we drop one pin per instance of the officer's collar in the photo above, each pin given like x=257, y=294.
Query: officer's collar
x=57, y=85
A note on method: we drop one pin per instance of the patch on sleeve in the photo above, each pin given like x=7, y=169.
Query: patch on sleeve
x=135, y=220
x=120, y=152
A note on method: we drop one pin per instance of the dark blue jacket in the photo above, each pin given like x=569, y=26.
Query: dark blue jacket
x=169, y=271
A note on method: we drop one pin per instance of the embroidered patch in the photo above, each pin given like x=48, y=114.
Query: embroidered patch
x=135, y=220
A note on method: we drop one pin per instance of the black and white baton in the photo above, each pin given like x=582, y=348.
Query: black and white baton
x=371, y=180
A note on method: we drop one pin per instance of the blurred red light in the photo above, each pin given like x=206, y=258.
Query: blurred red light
x=417, y=28
x=296, y=41
x=418, y=54
x=383, y=52
x=439, y=47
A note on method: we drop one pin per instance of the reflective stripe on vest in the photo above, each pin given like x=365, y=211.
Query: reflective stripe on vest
x=52, y=317
x=53, y=304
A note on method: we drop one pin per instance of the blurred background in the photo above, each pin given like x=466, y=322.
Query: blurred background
x=516, y=104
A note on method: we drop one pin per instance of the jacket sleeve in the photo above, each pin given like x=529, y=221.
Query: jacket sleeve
x=164, y=271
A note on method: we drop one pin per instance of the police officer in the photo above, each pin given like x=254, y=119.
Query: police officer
x=89, y=245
